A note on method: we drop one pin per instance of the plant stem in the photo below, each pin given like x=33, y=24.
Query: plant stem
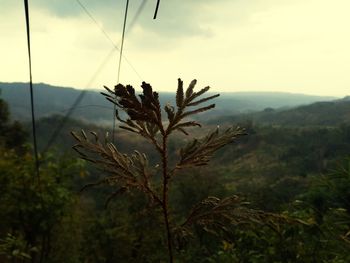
x=165, y=196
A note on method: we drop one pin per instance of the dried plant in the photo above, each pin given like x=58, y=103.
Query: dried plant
x=218, y=217
x=144, y=117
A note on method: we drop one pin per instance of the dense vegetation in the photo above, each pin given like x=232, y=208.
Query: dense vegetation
x=330, y=113
x=296, y=171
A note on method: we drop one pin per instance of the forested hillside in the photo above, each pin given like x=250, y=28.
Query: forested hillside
x=291, y=167
x=330, y=113
x=108, y=156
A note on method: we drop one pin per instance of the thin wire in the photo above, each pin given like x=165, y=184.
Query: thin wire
x=87, y=106
x=123, y=38
x=76, y=103
x=136, y=16
x=120, y=63
x=96, y=22
x=133, y=22
x=83, y=92
x=36, y=156
x=156, y=11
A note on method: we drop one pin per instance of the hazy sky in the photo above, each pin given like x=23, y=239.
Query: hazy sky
x=300, y=46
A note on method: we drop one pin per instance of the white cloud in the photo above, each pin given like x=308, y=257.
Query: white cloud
x=278, y=45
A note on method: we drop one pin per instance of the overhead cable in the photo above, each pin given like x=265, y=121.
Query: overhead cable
x=156, y=11
x=120, y=63
x=99, y=69
x=133, y=22
x=76, y=103
x=36, y=155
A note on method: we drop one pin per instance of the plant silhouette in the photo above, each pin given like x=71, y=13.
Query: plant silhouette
x=144, y=118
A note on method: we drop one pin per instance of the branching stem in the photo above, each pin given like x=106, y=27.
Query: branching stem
x=145, y=119
x=165, y=196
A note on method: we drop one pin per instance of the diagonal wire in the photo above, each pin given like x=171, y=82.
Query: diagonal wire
x=133, y=22
x=87, y=106
x=96, y=22
x=123, y=38
x=36, y=156
x=83, y=92
x=120, y=63
x=136, y=16
x=76, y=103
x=156, y=11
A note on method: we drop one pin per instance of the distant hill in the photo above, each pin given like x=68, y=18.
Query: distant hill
x=328, y=113
x=94, y=108
x=51, y=100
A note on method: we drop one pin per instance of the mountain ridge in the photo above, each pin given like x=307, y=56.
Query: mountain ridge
x=50, y=99
x=325, y=113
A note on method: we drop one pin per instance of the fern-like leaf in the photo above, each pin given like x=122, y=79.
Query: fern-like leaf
x=179, y=94
x=195, y=103
x=220, y=217
x=203, y=109
x=180, y=127
x=190, y=88
x=170, y=112
x=199, y=152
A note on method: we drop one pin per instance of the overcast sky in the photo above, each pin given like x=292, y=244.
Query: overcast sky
x=299, y=46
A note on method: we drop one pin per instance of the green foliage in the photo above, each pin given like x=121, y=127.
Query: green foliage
x=325, y=114
x=16, y=248
x=32, y=210
x=219, y=217
x=12, y=135
x=145, y=119
x=297, y=174
x=47, y=215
